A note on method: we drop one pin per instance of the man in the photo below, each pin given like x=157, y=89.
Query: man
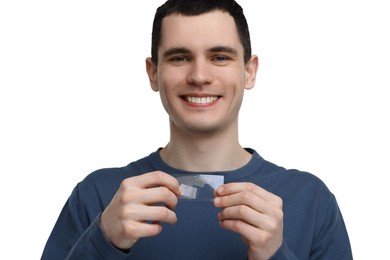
x=201, y=65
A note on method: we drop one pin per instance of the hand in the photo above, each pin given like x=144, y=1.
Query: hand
x=124, y=220
x=255, y=214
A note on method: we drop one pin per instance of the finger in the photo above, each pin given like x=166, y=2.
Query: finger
x=246, y=198
x=138, y=230
x=153, y=214
x=154, y=179
x=236, y=187
x=247, y=215
x=248, y=188
x=238, y=226
x=158, y=195
x=248, y=232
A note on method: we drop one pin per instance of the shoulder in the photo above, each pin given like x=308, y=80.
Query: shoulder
x=275, y=173
x=289, y=182
x=117, y=174
x=105, y=176
x=298, y=182
x=108, y=180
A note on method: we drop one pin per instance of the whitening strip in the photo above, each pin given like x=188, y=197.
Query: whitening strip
x=199, y=186
x=188, y=192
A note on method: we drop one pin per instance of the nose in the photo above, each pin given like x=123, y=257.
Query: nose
x=200, y=73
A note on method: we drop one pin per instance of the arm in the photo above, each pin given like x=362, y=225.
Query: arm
x=242, y=203
x=331, y=239
x=73, y=237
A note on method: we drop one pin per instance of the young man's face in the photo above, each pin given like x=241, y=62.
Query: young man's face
x=201, y=75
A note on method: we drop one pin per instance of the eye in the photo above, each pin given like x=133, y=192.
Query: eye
x=178, y=59
x=221, y=59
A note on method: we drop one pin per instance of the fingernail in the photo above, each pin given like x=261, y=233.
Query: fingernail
x=220, y=190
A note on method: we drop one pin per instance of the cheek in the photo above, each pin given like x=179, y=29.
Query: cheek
x=168, y=87
x=172, y=73
x=171, y=80
x=233, y=72
x=233, y=81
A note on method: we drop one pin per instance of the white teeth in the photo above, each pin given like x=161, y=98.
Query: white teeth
x=201, y=100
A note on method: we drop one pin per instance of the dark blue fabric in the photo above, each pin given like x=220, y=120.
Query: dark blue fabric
x=313, y=225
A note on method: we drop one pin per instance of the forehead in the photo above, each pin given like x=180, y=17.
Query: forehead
x=216, y=28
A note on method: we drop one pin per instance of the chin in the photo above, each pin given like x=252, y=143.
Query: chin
x=202, y=128
x=199, y=125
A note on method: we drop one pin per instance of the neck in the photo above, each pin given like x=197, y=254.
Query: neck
x=205, y=152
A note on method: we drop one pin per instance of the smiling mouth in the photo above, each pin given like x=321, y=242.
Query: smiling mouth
x=200, y=100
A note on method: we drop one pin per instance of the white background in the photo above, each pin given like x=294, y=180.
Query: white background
x=74, y=97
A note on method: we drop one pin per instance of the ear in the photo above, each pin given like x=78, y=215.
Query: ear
x=250, y=72
x=151, y=70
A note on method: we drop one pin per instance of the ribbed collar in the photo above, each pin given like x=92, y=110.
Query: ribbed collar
x=248, y=169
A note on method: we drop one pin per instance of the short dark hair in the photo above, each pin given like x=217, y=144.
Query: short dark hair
x=198, y=7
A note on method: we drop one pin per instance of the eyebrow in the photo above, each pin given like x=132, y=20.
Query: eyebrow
x=225, y=49
x=215, y=49
x=176, y=50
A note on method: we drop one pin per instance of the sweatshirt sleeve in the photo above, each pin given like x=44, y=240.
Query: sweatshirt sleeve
x=74, y=237
x=331, y=239
x=284, y=253
x=326, y=235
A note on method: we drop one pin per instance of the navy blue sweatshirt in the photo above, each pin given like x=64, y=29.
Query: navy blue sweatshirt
x=313, y=225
